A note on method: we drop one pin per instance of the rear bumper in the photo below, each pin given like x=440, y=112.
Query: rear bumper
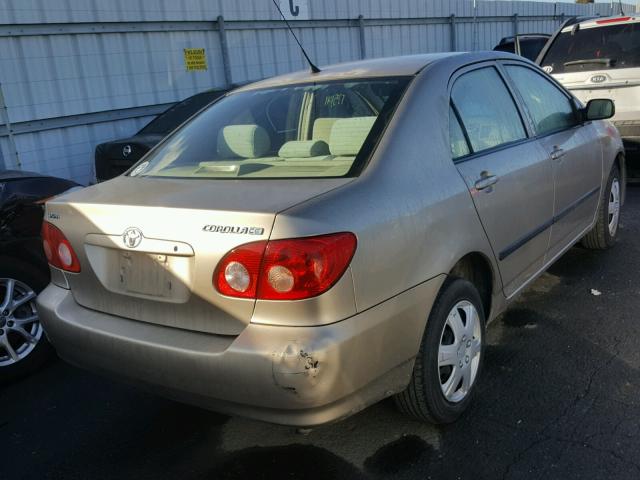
x=301, y=376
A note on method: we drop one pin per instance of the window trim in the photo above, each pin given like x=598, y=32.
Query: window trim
x=487, y=151
x=456, y=114
x=526, y=124
x=503, y=64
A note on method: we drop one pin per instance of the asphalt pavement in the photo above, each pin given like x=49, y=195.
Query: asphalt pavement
x=559, y=398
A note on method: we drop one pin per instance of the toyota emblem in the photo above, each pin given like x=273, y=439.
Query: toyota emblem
x=132, y=237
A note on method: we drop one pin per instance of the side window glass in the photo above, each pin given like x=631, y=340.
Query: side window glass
x=459, y=146
x=486, y=109
x=549, y=107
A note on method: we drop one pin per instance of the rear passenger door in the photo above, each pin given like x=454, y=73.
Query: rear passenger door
x=573, y=149
x=508, y=175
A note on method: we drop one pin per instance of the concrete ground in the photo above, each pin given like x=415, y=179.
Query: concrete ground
x=559, y=398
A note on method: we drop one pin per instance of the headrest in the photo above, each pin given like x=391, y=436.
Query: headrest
x=304, y=149
x=322, y=128
x=348, y=135
x=246, y=141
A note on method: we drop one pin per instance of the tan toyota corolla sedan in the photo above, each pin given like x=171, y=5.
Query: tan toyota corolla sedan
x=313, y=243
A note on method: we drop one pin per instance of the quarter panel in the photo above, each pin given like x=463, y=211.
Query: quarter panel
x=410, y=209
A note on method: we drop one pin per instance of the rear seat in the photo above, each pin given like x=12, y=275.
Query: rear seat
x=243, y=141
x=244, y=146
x=344, y=140
x=348, y=136
x=304, y=149
x=322, y=128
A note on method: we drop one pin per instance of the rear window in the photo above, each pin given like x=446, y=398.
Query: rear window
x=596, y=48
x=311, y=130
x=509, y=47
x=530, y=47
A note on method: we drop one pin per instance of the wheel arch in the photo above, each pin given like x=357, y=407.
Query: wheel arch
x=621, y=163
x=476, y=268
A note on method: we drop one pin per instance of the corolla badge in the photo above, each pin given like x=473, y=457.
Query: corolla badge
x=598, y=79
x=126, y=150
x=132, y=237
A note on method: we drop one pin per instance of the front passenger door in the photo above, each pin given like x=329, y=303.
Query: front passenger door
x=509, y=177
x=575, y=154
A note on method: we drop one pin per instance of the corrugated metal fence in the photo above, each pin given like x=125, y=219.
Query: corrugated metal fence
x=74, y=73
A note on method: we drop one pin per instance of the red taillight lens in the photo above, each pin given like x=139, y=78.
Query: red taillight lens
x=58, y=250
x=305, y=267
x=237, y=273
x=290, y=269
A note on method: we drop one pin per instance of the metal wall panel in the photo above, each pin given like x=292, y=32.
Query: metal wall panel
x=63, y=58
x=4, y=152
x=257, y=54
x=73, y=11
x=60, y=75
x=68, y=152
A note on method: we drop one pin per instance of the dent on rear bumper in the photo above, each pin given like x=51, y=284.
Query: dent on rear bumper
x=289, y=375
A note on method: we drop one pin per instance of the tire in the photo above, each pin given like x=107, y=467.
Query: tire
x=27, y=279
x=424, y=398
x=603, y=236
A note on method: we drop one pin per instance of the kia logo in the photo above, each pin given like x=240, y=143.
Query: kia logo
x=132, y=237
x=126, y=151
x=598, y=79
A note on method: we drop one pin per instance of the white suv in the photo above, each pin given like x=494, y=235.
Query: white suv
x=600, y=58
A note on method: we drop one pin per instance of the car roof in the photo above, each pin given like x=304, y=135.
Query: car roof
x=593, y=22
x=400, y=66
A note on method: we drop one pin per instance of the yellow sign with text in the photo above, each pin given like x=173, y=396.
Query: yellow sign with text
x=195, y=59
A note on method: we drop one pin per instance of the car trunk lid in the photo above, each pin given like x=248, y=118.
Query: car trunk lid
x=148, y=247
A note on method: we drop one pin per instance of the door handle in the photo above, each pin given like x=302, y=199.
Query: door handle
x=557, y=153
x=486, y=180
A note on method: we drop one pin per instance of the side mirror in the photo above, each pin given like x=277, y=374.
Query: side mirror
x=599, y=109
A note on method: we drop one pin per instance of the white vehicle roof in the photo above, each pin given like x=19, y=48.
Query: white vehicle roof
x=603, y=22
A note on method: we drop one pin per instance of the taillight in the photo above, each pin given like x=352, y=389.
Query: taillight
x=58, y=250
x=237, y=273
x=291, y=269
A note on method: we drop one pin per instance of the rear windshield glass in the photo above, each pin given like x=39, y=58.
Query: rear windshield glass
x=597, y=48
x=530, y=47
x=311, y=130
x=180, y=112
x=509, y=47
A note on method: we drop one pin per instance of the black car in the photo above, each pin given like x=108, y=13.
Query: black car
x=24, y=271
x=526, y=45
x=116, y=157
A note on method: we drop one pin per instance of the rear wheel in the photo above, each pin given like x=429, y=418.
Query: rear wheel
x=604, y=232
x=23, y=345
x=450, y=357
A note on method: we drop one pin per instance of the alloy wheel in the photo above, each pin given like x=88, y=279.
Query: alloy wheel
x=20, y=329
